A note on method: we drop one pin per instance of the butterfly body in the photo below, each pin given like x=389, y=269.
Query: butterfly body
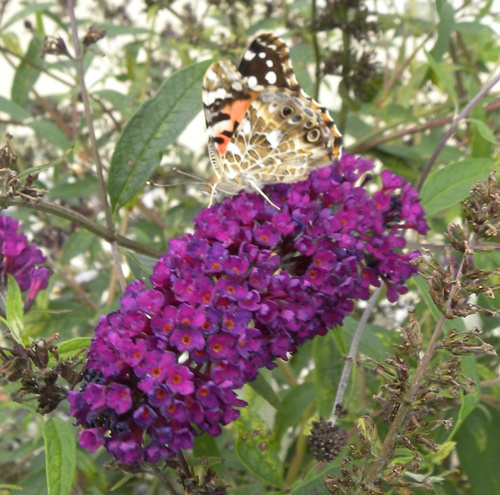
x=263, y=129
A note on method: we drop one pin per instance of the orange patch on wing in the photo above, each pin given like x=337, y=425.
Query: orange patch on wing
x=236, y=112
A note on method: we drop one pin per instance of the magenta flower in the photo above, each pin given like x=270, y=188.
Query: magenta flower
x=20, y=258
x=251, y=284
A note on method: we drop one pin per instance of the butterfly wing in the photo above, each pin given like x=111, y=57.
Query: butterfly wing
x=266, y=63
x=263, y=128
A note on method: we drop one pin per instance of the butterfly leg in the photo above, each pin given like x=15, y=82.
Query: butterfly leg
x=212, y=194
x=256, y=188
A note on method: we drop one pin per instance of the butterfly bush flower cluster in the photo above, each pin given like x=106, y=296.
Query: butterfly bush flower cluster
x=20, y=258
x=250, y=285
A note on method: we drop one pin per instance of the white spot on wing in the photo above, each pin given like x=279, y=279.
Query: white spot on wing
x=246, y=126
x=271, y=77
x=210, y=75
x=208, y=98
x=252, y=81
x=262, y=54
x=274, y=138
x=221, y=94
x=232, y=148
x=248, y=55
x=269, y=63
x=236, y=86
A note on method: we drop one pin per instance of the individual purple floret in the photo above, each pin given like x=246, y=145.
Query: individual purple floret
x=250, y=285
x=19, y=258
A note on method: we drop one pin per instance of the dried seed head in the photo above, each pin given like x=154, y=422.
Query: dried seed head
x=326, y=440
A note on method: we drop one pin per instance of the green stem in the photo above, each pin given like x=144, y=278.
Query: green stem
x=78, y=61
x=77, y=218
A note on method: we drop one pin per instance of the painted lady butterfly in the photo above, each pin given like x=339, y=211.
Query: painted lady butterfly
x=263, y=128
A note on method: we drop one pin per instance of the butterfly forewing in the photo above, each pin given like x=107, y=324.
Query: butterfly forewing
x=266, y=62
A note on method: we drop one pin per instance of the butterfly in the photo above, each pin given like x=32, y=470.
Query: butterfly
x=263, y=128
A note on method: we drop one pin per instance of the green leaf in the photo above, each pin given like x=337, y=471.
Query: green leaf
x=46, y=166
x=121, y=482
x=156, y=125
x=372, y=343
x=295, y=402
x=13, y=109
x=60, y=456
x=444, y=188
x=77, y=243
x=445, y=449
x=470, y=401
x=140, y=265
x=478, y=448
x=27, y=73
x=30, y=9
x=10, y=488
x=71, y=347
x=255, y=449
x=262, y=387
x=327, y=359
x=14, y=311
x=314, y=481
x=485, y=131
x=445, y=29
x=445, y=79
x=50, y=132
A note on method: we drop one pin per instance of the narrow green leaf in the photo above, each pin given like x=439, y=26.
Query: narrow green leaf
x=445, y=449
x=77, y=243
x=445, y=79
x=140, y=265
x=46, y=166
x=255, y=449
x=60, y=456
x=452, y=183
x=31, y=8
x=478, y=448
x=371, y=344
x=327, y=360
x=11, y=42
x=445, y=29
x=131, y=53
x=485, y=131
x=156, y=125
x=14, y=311
x=295, y=402
x=71, y=347
x=470, y=401
x=314, y=481
x=262, y=387
x=10, y=488
x=13, y=109
x=206, y=445
x=121, y=482
x=27, y=73
x=50, y=132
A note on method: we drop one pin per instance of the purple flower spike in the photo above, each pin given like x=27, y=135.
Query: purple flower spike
x=19, y=258
x=251, y=284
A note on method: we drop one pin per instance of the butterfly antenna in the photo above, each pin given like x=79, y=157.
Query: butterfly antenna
x=197, y=180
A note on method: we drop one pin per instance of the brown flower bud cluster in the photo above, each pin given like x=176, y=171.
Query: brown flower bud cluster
x=455, y=279
x=326, y=440
x=31, y=366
